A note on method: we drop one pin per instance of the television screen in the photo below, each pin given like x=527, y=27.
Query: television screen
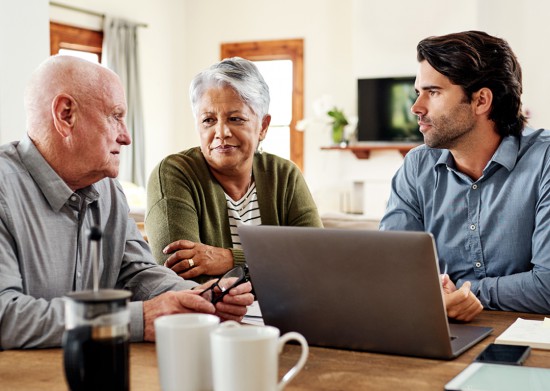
x=384, y=108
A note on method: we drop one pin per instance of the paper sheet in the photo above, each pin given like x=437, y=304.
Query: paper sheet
x=254, y=315
x=535, y=333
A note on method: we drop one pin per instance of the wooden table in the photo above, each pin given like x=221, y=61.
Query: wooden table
x=326, y=369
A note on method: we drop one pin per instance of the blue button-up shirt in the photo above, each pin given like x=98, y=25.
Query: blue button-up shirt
x=494, y=231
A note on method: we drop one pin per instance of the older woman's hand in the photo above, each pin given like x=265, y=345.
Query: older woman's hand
x=189, y=259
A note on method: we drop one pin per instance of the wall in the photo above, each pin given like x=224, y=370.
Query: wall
x=18, y=57
x=384, y=37
x=162, y=56
x=325, y=26
x=344, y=40
x=385, y=42
x=527, y=31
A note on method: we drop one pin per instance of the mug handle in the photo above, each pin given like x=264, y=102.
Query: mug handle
x=301, y=362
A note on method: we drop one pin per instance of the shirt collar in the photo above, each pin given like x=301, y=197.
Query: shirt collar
x=55, y=190
x=445, y=159
x=506, y=155
x=507, y=152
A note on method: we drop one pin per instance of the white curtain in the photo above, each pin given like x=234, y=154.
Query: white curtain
x=120, y=53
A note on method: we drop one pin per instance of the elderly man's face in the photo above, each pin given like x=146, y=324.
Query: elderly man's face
x=102, y=130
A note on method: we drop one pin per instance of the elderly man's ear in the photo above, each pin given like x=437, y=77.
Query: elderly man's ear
x=63, y=112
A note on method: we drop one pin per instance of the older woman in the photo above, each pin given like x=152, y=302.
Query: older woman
x=197, y=198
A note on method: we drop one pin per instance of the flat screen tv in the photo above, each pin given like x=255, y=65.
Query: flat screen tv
x=384, y=108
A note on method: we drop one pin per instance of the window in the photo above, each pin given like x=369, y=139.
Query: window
x=85, y=43
x=278, y=76
x=268, y=54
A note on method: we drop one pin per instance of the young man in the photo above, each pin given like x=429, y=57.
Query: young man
x=481, y=182
x=57, y=183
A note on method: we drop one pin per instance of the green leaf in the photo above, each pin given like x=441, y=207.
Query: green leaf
x=339, y=117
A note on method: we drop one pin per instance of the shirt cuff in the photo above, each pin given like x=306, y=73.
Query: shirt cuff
x=238, y=256
x=136, y=321
x=474, y=288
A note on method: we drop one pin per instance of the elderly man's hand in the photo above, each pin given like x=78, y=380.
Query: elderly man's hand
x=172, y=303
x=232, y=307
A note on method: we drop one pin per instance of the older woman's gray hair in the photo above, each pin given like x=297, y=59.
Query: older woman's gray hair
x=241, y=75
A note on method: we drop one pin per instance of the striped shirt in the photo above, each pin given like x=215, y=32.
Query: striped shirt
x=245, y=211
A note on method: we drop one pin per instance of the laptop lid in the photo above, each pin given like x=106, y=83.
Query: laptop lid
x=375, y=291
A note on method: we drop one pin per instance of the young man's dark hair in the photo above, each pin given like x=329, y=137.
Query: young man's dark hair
x=473, y=60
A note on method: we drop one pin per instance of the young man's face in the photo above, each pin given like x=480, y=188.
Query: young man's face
x=445, y=116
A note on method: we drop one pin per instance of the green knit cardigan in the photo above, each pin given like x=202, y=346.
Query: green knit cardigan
x=185, y=201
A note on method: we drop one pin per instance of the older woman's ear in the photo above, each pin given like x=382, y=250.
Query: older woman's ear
x=265, y=125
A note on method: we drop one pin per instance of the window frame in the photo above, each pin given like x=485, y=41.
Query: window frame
x=286, y=49
x=63, y=36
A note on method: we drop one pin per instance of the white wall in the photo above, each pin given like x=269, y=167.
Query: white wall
x=527, y=31
x=325, y=26
x=24, y=32
x=162, y=58
x=344, y=40
x=384, y=35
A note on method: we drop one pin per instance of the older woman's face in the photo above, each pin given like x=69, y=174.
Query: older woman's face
x=229, y=130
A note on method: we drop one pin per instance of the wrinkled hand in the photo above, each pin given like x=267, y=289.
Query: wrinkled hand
x=461, y=303
x=190, y=259
x=233, y=306
x=172, y=303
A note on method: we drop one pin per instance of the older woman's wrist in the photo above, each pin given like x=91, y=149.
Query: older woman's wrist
x=238, y=256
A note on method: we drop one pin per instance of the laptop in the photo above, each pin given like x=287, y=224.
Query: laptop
x=376, y=291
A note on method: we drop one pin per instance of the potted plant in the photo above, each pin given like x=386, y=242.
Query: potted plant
x=339, y=122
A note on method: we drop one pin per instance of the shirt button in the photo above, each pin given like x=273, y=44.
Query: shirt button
x=478, y=264
x=73, y=198
x=78, y=274
x=474, y=186
x=473, y=227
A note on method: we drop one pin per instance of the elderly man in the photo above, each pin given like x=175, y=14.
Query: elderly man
x=55, y=184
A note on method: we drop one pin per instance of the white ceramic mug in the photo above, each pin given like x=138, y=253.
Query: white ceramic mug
x=246, y=358
x=183, y=351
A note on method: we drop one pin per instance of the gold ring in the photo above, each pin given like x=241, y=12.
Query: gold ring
x=191, y=263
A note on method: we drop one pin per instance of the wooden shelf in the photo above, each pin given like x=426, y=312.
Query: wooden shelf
x=363, y=150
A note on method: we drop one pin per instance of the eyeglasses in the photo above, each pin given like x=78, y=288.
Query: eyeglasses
x=225, y=283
